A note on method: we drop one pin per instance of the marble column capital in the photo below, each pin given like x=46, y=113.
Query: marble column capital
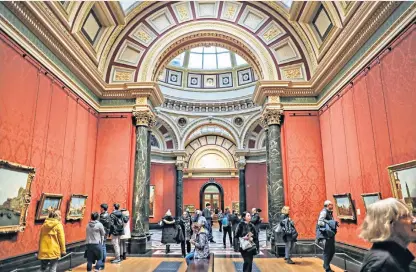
x=144, y=117
x=241, y=162
x=271, y=116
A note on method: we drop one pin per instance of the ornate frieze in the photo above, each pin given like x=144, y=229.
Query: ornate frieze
x=200, y=107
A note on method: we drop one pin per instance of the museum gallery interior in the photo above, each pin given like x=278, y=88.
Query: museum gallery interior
x=163, y=106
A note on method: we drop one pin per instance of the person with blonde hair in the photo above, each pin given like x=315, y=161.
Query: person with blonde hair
x=290, y=234
x=390, y=226
x=51, y=242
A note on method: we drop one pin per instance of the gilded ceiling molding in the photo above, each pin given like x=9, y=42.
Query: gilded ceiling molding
x=234, y=35
x=149, y=90
x=265, y=88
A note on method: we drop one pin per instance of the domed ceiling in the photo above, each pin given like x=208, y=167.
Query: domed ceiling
x=200, y=50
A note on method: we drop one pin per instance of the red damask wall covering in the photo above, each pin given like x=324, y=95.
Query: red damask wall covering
x=369, y=127
x=47, y=127
x=256, y=188
x=163, y=176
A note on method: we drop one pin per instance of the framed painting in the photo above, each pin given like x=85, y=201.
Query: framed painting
x=344, y=206
x=403, y=183
x=15, y=185
x=48, y=202
x=152, y=201
x=76, y=207
x=235, y=206
x=191, y=208
x=370, y=198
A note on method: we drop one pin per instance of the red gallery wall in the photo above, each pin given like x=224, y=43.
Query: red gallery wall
x=370, y=127
x=47, y=127
x=163, y=177
x=256, y=188
x=303, y=169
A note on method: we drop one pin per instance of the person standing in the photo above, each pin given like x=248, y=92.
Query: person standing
x=256, y=220
x=51, y=242
x=234, y=223
x=389, y=225
x=117, y=229
x=126, y=235
x=186, y=226
x=226, y=225
x=326, y=229
x=247, y=231
x=168, y=231
x=220, y=217
x=290, y=234
x=208, y=217
x=105, y=220
x=201, y=244
x=95, y=239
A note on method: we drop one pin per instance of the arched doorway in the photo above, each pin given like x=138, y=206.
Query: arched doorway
x=213, y=193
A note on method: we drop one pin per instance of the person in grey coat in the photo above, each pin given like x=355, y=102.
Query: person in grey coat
x=94, y=240
x=169, y=230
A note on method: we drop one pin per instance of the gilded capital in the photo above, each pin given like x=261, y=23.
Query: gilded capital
x=144, y=118
x=271, y=116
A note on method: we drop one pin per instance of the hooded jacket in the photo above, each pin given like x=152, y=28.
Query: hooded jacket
x=117, y=223
x=106, y=221
x=169, y=230
x=127, y=232
x=95, y=233
x=52, y=240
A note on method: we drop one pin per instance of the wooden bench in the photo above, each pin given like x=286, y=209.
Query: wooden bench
x=202, y=265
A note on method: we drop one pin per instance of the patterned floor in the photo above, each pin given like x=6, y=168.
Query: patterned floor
x=217, y=248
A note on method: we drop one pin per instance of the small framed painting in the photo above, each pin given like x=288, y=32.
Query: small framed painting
x=191, y=208
x=236, y=206
x=48, y=202
x=344, y=206
x=371, y=198
x=76, y=207
x=403, y=183
x=152, y=201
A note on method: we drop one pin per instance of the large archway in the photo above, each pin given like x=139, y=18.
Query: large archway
x=211, y=188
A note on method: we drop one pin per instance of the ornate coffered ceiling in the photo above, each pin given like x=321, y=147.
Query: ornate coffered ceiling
x=117, y=54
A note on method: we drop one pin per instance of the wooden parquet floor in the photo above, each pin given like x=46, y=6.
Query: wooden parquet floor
x=148, y=264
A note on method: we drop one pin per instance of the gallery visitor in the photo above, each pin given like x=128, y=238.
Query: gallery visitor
x=234, y=223
x=256, y=220
x=226, y=225
x=208, y=216
x=247, y=234
x=106, y=221
x=168, y=230
x=186, y=226
x=389, y=225
x=290, y=234
x=94, y=240
x=220, y=217
x=126, y=235
x=52, y=242
x=326, y=229
x=201, y=244
x=117, y=229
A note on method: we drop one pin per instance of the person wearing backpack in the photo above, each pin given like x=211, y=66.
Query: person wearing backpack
x=226, y=226
x=117, y=230
x=289, y=232
x=126, y=235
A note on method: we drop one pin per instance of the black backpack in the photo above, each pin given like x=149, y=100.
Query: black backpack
x=118, y=225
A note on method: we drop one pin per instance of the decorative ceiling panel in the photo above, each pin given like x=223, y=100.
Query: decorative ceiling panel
x=205, y=9
x=129, y=53
x=161, y=21
x=252, y=19
x=143, y=34
x=271, y=33
x=230, y=10
x=183, y=11
x=286, y=51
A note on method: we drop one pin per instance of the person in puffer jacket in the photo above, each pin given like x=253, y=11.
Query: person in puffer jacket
x=95, y=239
x=117, y=229
x=168, y=230
x=51, y=242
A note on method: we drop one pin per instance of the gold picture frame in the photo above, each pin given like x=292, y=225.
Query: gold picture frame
x=403, y=182
x=345, y=207
x=235, y=206
x=76, y=207
x=47, y=203
x=370, y=198
x=191, y=208
x=15, y=207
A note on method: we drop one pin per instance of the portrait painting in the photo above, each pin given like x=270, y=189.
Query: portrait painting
x=76, y=207
x=344, y=206
x=152, y=201
x=236, y=206
x=48, y=202
x=403, y=183
x=15, y=184
x=371, y=198
x=189, y=207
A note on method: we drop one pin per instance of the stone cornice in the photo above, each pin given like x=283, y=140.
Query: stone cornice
x=280, y=88
x=150, y=90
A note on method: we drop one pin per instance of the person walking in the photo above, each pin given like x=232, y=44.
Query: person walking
x=256, y=220
x=117, y=229
x=326, y=229
x=389, y=225
x=94, y=240
x=168, y=231
x=126, y=235
x=226, y=225
x=201, y=244
x=51, y=242
x=105, y=220
x=290, y=234
x=247, y=231
x=186, y=226
x=220, y=217
x=208, y=217
x=234, y=223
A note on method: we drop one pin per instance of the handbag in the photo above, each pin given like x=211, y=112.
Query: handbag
x=245, y=244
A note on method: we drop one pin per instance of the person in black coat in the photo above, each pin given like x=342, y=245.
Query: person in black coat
x=247, y=231
x=389, y=225
x=290, y=234
x=234, y=223
x=169, y=230
x=256, y=220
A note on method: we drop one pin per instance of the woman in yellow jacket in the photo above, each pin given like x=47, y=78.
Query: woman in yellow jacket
x=51, y=242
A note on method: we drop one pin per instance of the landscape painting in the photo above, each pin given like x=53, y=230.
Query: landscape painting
x=48, y=202
x=76, y=207
x=369, y=199
x=403, y=182
x=189, y=207
x=152, y=201
x=344, y=206
x=15, y=183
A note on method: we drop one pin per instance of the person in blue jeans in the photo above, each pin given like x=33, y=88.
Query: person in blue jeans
x=201, y=244
x=106, y=221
